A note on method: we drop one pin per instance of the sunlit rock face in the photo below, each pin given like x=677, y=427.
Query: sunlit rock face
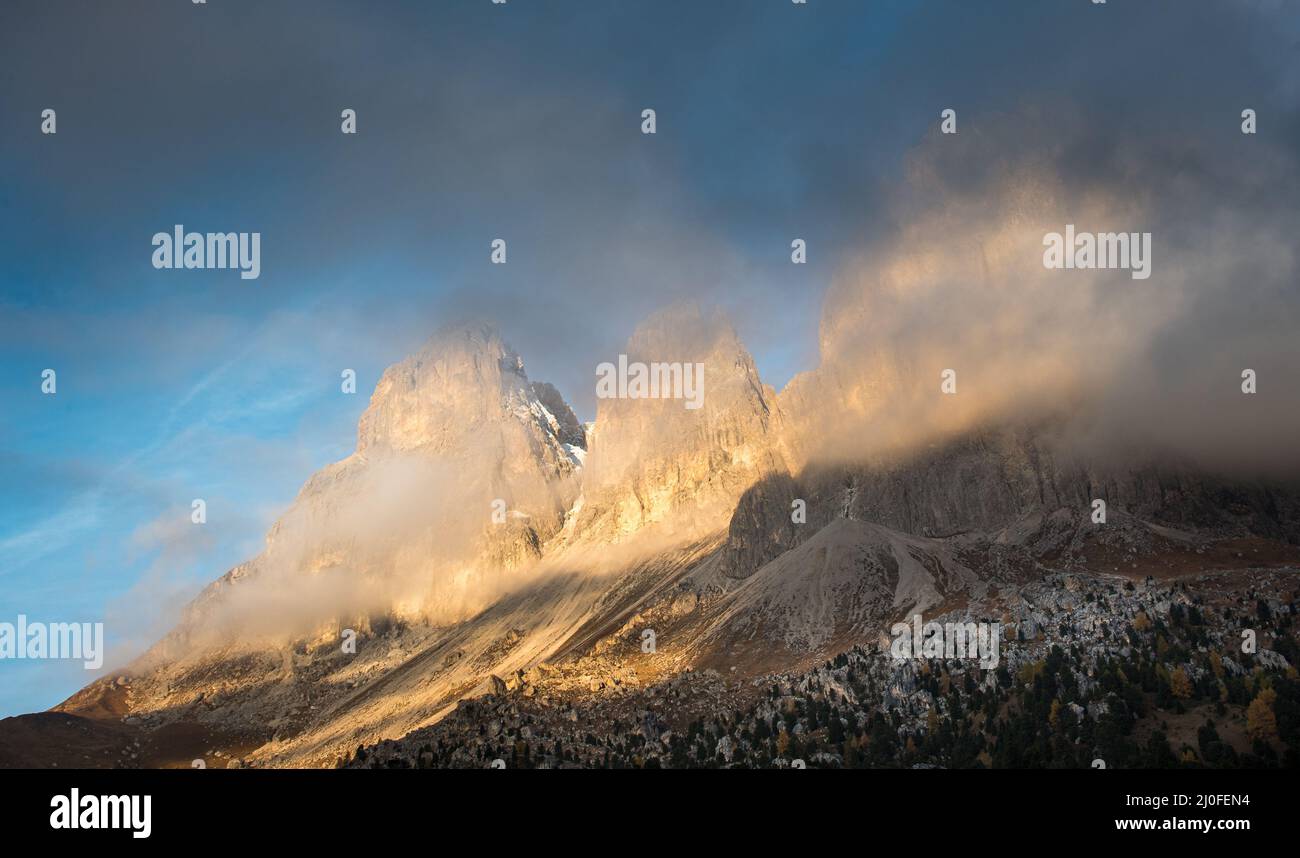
x=460, y=475
x=467, y=383
x=656, y=461
x=481, y=531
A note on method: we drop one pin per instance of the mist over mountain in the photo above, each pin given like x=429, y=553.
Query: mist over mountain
x=1138, y=369
x=482, y=549
x=480, y=531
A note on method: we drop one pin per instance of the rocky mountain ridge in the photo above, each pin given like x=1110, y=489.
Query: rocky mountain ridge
x=481, y=534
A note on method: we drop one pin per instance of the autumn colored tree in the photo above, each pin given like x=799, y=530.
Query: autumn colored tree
x=1179, y=684
x=1261, y=722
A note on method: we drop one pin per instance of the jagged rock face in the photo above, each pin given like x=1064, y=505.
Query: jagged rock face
x=657, y=462
x=1012, y=485
x=465, y=384
x=461, y=473
x=763, y=525
x=570, y=430
x=404, y=527
x=467, y=400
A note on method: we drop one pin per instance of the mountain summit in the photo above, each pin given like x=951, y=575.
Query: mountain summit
x=482, y=543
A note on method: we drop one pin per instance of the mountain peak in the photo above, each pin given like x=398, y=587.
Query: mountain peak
x=656, y=462
x=463, y=376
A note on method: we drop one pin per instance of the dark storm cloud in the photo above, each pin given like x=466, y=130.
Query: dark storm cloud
x=480, y=122
x=522, y=122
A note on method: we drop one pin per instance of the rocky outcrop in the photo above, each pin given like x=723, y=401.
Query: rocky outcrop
x=568, y=428
x=478, y=532
x=1008, y=485
x=655, y=462
x=461, y=473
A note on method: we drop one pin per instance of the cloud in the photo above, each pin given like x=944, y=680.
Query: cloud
x=53, y=532
x=1139, y=365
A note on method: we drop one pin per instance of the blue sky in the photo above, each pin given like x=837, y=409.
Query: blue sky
x=475, y=121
